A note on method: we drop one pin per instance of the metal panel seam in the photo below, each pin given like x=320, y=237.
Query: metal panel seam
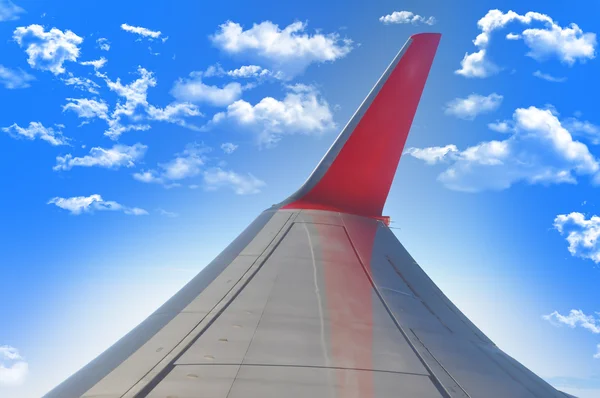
x=145, y=390
x=435, y=380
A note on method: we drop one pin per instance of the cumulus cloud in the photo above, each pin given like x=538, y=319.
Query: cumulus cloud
x=216, y=178
x=103, y=43
x=229, y=147
x=243, y=72
x=548, y=77
x=9, y=11
x=13, y=367
x=36, y=130
x=138, y=30
x=185, y=165
x=539, y=150
x=48, y=50
x=582, y=234
x=111, y=158
x=194, y=90
x=573, y=319
x=302, y=111
x=289, y=50
x=568, y=44
x=400, y=17
x=475, y=104
x=14, y=78
x=89, y=204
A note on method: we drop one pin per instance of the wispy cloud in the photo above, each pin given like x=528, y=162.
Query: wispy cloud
x=403, y=17
x=166, y=213
x=37, y=130
x=134, y=112
x=216, y=178
x=144, y=32
x=89, y=204
x=584, y=129
x=103, y=43
x=13, y=367
x=96, y=64
x=111, y=158
x=229, y=147
x=475, y=104
x=568, y=44
x=82, y=83
x=14, y=78
x=302, y=111
x=289, y=50
x=548, y=77
x=48, y=50
x=9, y=11
x=185, y=165
x=574, y=319
x=538, y=150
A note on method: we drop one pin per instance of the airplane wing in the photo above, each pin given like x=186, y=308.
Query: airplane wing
x=317, y=297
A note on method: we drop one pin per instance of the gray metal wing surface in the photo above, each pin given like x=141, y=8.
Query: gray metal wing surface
x=317, y=297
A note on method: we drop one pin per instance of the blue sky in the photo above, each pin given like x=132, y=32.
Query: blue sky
x=137, y=141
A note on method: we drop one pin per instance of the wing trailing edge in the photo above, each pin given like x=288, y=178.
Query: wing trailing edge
x=356, y=174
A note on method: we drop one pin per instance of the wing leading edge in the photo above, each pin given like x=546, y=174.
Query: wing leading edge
x=317, y=297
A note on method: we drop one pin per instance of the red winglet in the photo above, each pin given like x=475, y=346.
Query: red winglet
x=356, y=174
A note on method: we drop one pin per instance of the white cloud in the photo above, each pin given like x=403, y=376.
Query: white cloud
x=185, y=165
x=550, y=78
x=166, y=213
x=573, y=319
x=568, y=44
x=582, y=234
x=103, y=44
x=9, y=11
x=432, y=155
x=87, y=108
x=14, y=78
x=477, y=65
x=138, y=30
x=229, y=147
x=475, y=104
x=97, y=64
x=88, y=204
x=584, y=129
x=134, y=109
x=13, y=368
x=539, y=150
x=48, y=50
x=249, y=71
x=82, y=83
x=302, y=111
x=111, y=158
x=500, y=126
x=241, y=184
x=289, y=50
x=194, y=90
x=37, y=130
x=597, y=354
x=406, y=17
